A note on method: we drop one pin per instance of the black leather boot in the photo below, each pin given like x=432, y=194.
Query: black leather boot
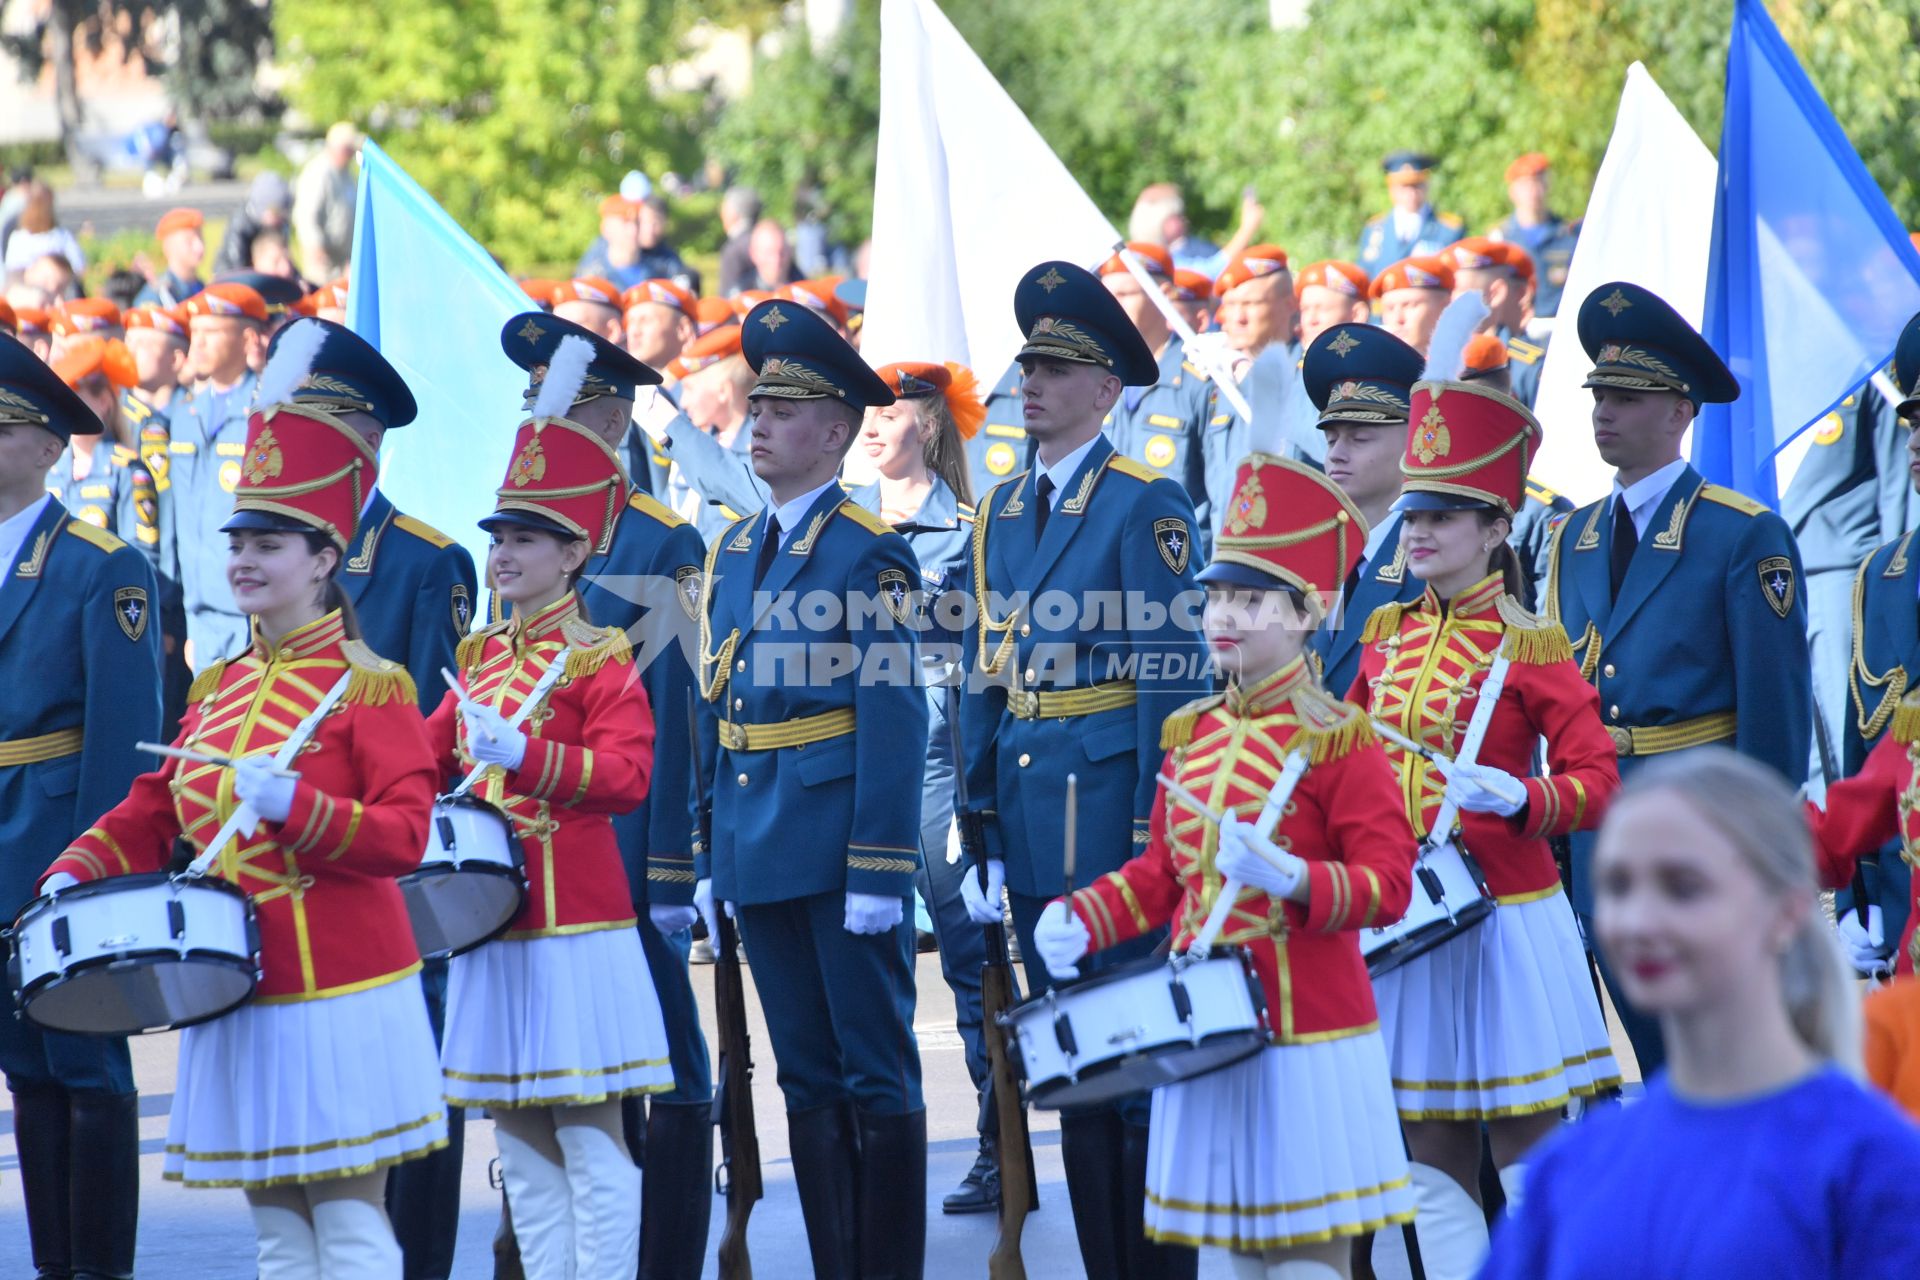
x=676, y=1190
x=104, y=1205
x=42, y=1132
x=1145, y=1260
x=893, y=1196
x=1090, y=1148
x=824, y=1150
x=979, y=1191
x=423, y=1203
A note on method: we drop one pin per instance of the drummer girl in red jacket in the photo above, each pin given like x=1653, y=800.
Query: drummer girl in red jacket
x=305, y=1095
x=1234, y=1161
x=552, y=1024
x=1499, y=1023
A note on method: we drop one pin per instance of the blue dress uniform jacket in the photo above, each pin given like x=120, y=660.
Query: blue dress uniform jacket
x=1337, y=648
x=116, y=494
x=1885, y=658
x=1710, y=624
x=1001, y=446
x=207, y=438
x=1055, y=610
x=413, y=590
x=1550, y=244
x=1533, y=533
x=1165, y=426
x=842, y=812
x=80, y=661
x=1526, y=357
x=1381, y=245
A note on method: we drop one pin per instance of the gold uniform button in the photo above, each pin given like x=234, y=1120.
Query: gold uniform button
x=1025, y=759
x=743, y=779
x=1607, y=671
x=1613, y=712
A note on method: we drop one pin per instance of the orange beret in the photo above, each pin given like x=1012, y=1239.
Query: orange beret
x=328, y=297
x=235, y=300
x=8, y=323
x=1191, y=286
x=167, y=320
x=709, y=349
x=816, y=296
x=85, y=315
x=540, y=289
x=1253, y=263
x=1483, y=354
x=87, y=355
x=710, y=313
x=953, y=383
x=1341, y=277
x=664, y=292
x=1519, y=259
x=30, y=320
x=1155, y=258
x=1527, y=166
x=1426, y=272
x=747, y=299
x=178, y=220
x=594, y=289
x=616, y=206
x=1475, y=253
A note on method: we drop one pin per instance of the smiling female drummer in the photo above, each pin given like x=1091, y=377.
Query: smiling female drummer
x=1498, y=1023
x=1283, y=1157
x=553, y=1023
x=307, y=1094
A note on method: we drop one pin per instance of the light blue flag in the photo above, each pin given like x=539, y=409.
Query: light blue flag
x=1812, y=275
x=431, y=299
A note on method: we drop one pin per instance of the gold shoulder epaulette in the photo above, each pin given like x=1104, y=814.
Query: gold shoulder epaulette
x=1540, y=492
x=1128, y=467
x=1524, y=352
x=94, y=535
x=654, y=509
x=124, y=455
x=590, y=648
x=1730, y=498
x=1177, y=729
x=1450, y=219
x=1333, y=728
x=1385, y=622
x=136, y=409
x=373, y=680
x=423, y=531
x=466, y=655
x=1196, y=370
x=207, y=683
x=1532, y=639
x=864, y=518
x=1906, y=719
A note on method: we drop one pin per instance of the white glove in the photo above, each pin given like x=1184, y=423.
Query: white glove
x=1479, y=788
x=59, y=880
x=874, y=912
x=1862, y=942
x=983, y=905
x=1252, y=859
x=1061, y=939
x=262, y=788
x=672, y=920
x=490, y=738
x=703, y=903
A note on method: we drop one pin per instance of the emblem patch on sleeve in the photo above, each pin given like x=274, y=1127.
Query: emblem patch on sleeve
x=130, y=611
x=1175, y=542
x=1776, y=584
x=896, y=593
x=462, y=609
x=686, y=582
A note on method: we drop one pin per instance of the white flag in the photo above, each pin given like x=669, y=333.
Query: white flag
x=967, y=196
x=1649, y=221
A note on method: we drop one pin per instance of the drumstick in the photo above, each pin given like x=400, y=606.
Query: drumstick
x=1270, y=814
x=201, y=757
x=453, y=683
x=1408, y=744
x=1066, y=861
x=1187, y=798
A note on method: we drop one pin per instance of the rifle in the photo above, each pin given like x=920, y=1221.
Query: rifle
x=1013, y=1150
x=738, y=1177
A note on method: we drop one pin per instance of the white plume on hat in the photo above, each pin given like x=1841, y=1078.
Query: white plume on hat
x=1448, y=348
x=566, y=374
x=291, y=363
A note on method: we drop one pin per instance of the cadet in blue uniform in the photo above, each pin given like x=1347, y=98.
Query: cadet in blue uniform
x=98, y=478
x=80, y=661
x=1080, y=690
x=815, y=727
x=158, y=338
x=1164, y=425
x=1361, y=379
x=1548, y=238
x=1002, y=446
x=1501, y=274
x=1412, y=227
x=206, y=439
x=648, y=585
x=1682, y=599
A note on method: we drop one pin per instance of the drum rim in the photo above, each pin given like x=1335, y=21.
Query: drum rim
x=518, y=879
x=1402, y=949
x=1115, y=973
x=24, y=998
x=132, y=880
x=467, y=800
x=1041, y=1095
x=444, y=868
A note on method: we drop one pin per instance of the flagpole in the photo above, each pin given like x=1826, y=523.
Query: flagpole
x=1222, y=372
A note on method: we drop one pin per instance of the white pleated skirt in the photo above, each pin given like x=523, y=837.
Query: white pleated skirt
x=1499, y=1021
x=1296, y=1145
x=272, y=1094
x=543, y=1022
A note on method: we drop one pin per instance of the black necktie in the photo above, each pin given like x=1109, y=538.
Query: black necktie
x=1044, y=492
x=1626, y=540
x=1347, y=589
x=769, y=546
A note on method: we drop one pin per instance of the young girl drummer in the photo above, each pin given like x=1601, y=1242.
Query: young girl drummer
x=305, y=1095
x=556, y=1021
x=1498, y=1024
x=1284, y=1157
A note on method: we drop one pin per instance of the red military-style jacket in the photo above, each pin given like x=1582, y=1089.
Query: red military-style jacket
x=1421, y=673
x=1872, y=807
x=331, y=917
x=589, y=753
x=1344, y=819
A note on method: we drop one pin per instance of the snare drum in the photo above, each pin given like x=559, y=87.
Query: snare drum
x=135, y=953
x=1136, y=1027
x=471, y=881
x=1449, y=897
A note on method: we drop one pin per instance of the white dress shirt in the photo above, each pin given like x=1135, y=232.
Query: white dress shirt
x=1062, y=471
x=1644, y=496
x=13, y=533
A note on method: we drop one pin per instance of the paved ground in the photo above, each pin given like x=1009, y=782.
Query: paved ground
x=206, y=1235
x=107, y=209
